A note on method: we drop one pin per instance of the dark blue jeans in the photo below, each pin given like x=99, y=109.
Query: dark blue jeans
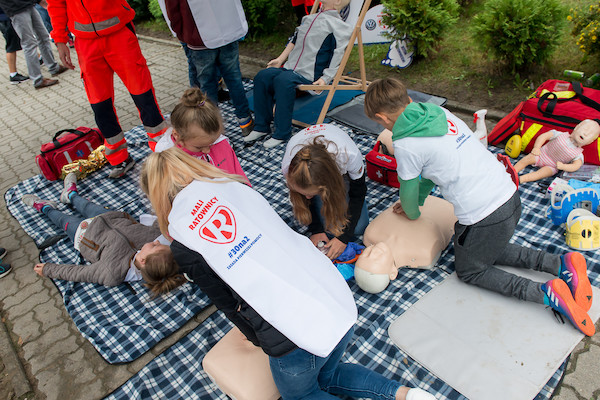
x=226, y=61
x=300, y=374
x=275, y=87
x=69, y=222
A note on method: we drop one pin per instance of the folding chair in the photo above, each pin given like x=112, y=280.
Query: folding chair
x=341, y=81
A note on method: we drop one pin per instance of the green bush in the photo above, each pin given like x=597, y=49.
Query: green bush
x=520, y=33
x=425, y=22
x=154, y=9
x=586, y=22
x=142, y=13
x=267, y=16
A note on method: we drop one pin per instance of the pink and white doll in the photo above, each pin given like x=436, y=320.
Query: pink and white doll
x=555, y=151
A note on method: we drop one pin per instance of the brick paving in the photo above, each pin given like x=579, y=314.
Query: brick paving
x=42, y=354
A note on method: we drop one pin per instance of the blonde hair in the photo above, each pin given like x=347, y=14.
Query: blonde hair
x=195, y=108
x=161, y=272
x=166, y=173
x=315, y=165
x=387, y=95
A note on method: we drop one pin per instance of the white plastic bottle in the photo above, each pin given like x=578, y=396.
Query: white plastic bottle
x=480, y=128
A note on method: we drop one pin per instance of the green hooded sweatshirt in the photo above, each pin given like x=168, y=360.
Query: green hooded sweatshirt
x=418, y=120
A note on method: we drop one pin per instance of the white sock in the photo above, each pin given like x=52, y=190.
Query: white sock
x=13, y=74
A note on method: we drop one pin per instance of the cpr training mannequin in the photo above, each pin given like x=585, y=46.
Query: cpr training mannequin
x=554, y=151
x=396, y=241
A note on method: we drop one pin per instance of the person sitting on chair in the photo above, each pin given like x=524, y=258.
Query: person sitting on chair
x=321, y=41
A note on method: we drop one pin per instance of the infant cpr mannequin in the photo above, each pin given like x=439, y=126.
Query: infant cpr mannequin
x=415, y=244
x=240, y=369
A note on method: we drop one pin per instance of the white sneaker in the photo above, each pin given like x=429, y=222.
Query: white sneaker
x=272, y=143
x=70, y=185
x=254, y=135
x=419, y=394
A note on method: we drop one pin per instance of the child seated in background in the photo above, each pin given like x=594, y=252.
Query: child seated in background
x=197, y=129
x=119, y=248
x=431, y=145
x=313, y=55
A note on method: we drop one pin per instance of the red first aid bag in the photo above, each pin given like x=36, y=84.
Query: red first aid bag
x=381, y=167
x=557, y=105
x=66, y=147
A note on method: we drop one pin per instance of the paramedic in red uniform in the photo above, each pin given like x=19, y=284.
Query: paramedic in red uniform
x=106, y=43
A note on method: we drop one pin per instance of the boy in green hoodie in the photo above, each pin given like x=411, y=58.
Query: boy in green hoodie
x=434, y=147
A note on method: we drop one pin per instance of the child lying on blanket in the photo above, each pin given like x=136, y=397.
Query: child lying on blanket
x=119, y=248
x=197, y=129
x=233, y=245
x=433, y=146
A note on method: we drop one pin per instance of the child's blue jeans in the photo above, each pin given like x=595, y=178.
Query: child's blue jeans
x=69, y=222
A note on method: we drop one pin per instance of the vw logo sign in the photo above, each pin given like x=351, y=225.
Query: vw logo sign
x=371, y=24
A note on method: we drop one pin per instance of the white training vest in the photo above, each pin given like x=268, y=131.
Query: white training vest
x=219, y=22
x=277, y=271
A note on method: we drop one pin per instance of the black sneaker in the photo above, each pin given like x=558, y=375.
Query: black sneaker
x=2, y=252
x=120, y=170
x=5, y=268
x=18, y=78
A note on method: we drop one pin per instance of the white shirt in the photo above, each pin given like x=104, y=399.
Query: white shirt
x=348, y=157
x=468, y=175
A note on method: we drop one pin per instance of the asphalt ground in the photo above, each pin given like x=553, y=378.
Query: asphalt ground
x=42, y=354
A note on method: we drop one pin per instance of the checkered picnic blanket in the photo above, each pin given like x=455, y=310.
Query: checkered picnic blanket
x=121, y=322
x=177, y=373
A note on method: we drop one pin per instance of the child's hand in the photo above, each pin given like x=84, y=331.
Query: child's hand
x=560, y=165
x=274, y=63
x=39, y=268
x=398, y=209
x=319, y=237
x=336, y=247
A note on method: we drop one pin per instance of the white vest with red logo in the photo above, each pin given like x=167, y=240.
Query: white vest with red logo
x=277, y=271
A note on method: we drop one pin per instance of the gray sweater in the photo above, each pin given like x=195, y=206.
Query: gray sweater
x=319, y=45
x=109, y=244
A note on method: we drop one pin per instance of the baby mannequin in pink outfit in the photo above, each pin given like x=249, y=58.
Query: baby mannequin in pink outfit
x=554, y=151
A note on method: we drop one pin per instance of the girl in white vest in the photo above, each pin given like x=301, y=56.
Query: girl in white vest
x=324, y=170
x=270, y=281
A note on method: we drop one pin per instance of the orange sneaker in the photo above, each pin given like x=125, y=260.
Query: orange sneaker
x=573, y=270
x=558, y=296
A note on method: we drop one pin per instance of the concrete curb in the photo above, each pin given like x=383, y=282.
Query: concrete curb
x=451, y=105
x=12, y=364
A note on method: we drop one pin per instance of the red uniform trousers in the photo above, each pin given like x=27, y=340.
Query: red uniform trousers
x=99, y=59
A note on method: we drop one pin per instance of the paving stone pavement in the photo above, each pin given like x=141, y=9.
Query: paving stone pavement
x=42, y=354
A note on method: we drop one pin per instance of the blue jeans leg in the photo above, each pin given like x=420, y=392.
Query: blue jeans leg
x=68, y=223
x=285, y=95
x=228, y=64
x=300, y=374
x=205, y=63
x=86, y=207
x=192, y=74
x=264, y=94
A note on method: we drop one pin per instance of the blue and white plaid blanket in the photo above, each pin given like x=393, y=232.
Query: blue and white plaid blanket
x=177, y=373
x=121, y=322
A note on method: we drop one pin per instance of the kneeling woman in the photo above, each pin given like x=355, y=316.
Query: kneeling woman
x=271, y=282
x=325, y=173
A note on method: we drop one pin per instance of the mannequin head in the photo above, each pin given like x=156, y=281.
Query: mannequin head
x=375, y=268
x=585, y=132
